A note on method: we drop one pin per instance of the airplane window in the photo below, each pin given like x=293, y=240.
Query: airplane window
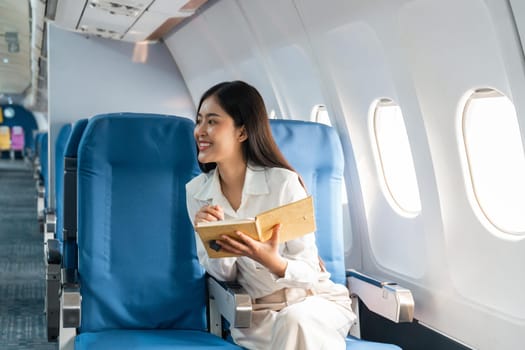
x=395, y=158
x=495, y=158
x=320, y=115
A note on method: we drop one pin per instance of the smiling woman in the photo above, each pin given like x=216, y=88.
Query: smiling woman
x=411, y=141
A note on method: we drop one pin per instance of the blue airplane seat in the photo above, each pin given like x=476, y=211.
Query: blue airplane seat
x=353, y=343
x=60, y=146
x=141, y=283
x=315, y=151
x=71, y=149
x=54, y=244
x=38, y=138
x=43, y=155
x=38, y=175
x=69, y=227
x=62, y=249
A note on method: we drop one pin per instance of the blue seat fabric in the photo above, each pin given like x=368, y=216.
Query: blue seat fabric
x=38, y=140
x=44, y=166
x=60, y=145
x=71, y=149
x=359, y=344
x=141, y=283
x=69, y=260
x=148, y=339
x=315, y=151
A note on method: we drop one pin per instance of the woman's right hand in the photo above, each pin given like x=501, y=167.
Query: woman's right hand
x=209, y=213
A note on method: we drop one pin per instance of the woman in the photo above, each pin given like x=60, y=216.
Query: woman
x=295, y=304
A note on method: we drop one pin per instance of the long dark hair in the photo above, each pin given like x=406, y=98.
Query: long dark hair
x=246, y=106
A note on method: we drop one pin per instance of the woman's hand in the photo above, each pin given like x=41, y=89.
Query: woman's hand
x=265, y=253
x=209, y=213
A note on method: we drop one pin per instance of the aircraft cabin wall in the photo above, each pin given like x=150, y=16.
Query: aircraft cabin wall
x=90, y=76
x=427, y=59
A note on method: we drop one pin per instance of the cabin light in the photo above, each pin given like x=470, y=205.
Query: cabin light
x=140, y=52
x=5, y=60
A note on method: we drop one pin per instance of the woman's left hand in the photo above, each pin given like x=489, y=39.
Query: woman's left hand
x=265, y=253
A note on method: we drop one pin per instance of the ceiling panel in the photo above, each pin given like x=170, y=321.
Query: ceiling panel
x=68, y=13
x=145, y=25
x=169, y=7
x=15, y=59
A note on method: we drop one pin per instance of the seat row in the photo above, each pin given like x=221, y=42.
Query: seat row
x=122, y=269
x=12, y=141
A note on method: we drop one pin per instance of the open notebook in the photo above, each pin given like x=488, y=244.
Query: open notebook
x=297, y=219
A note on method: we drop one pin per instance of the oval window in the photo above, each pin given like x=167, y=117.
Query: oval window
x=496, y=161
x=395, y=157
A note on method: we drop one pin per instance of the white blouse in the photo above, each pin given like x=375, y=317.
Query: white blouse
x=264, y=189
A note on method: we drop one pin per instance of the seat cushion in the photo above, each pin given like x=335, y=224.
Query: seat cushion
x=150, y=339
x=358, y=344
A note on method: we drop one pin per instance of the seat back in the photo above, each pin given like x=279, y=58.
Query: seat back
x=5, y=138
x=17, y=138
x=137, y=262
x=315, y=151
x=69, y=229
x=44, y=166
x=60, y=145
x=38, y=141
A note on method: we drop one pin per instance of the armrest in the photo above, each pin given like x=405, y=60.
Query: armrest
x=50, y=224
x=71, y=300
x=384, y=298
x=231, y=301
x=40, y=189
x=52, y=301
x=53, y=253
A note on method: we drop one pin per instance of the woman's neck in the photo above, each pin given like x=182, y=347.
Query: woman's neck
x=232, y=181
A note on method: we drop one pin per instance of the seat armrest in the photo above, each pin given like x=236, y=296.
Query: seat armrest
x=231, y=301
x=40, y=189
x=50, y=224
x=40, y=204
x=53, y=253
x=70, y=300
x=387, y=299
x=52, y=301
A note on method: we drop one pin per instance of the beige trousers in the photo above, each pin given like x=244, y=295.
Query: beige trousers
x=295, y=318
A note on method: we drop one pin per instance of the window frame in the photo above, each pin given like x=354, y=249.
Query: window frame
x=476, y=204
x=379, y=159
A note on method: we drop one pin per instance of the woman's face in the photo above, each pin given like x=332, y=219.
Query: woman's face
x=218, y=139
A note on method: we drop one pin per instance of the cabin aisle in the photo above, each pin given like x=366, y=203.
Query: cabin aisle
x=22, y=289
